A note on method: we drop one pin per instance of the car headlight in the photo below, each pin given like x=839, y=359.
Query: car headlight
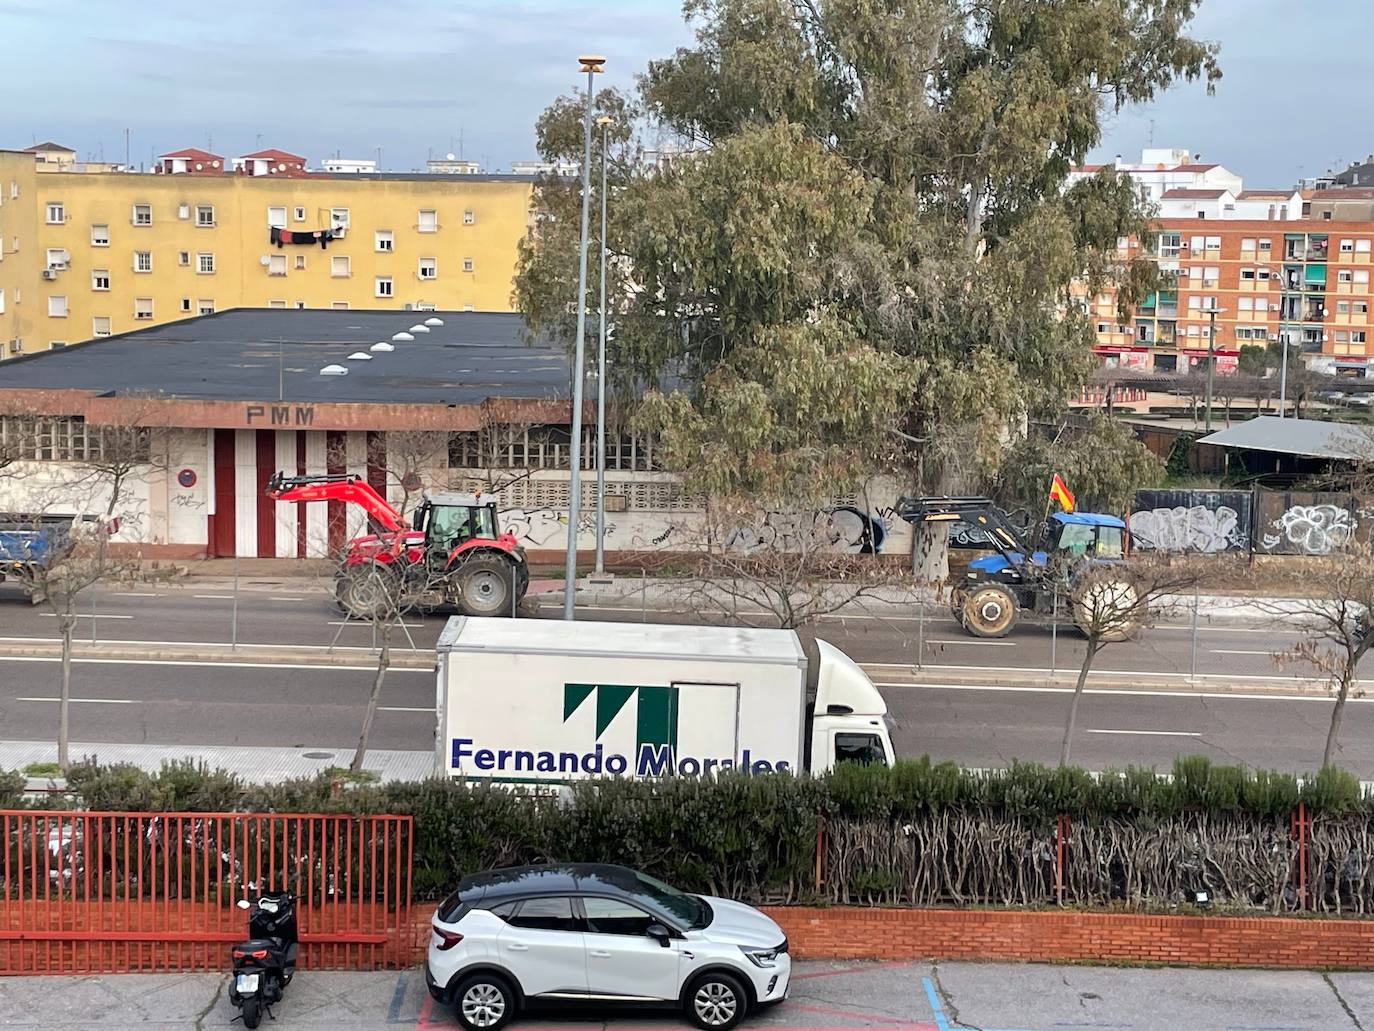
x=760, y=957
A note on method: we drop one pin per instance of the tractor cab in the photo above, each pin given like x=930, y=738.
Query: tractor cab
x=449, y=520
x=1076, y=535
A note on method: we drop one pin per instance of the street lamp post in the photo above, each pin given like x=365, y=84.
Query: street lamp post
x=1283, y=339
x=1211, y=313
x=592, y=66
x=604, y=121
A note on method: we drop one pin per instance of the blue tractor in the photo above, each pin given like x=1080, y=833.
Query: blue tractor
x=1044, y=578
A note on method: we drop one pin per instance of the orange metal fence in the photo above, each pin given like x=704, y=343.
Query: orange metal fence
x=85, y=892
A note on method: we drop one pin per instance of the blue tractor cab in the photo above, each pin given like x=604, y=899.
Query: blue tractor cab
x=1020, y=577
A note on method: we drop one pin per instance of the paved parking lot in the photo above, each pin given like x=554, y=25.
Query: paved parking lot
x=896, y=997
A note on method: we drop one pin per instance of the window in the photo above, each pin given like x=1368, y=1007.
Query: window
x=1247, y=244
x=1347, y=246
x=186, y=304
x=1361, y=246
x=205, y=215
x=340, y=266
x=1195, y=243
x=469, y=218
x=57, y=258
x=554, y=914
x=1342, y=307
x=338, y=305
x=100, y=279
x=860, y=748
x=276, y=304
x=1361, y=277
x=205, y=307
x=1210, y=275
x=1246, y=303
x=383, y=286
x=1195, y=272
x=1344, y=276
x=429, y=268
x=1247, y=273
x=1263, y=244
x=1213, y=243
x=143, y=215
x=429, y=221
x=338, y=218
x=57, y=307
x=276, y=218
x=1357, y=336
x=183, y=258
x=1342, y=336
x=1359, y=307
x=300, y=261
x=2, y=302
x=100, y=326
x=300, y=305
x=384, y=240
x=1169, y=244
x=14, y=189
x=56, y=213
x=143, y=307
x=205, y=263
x=143, y=261
x=100, y=236
x=1262, y=273
x=276, y=265
x=1195, y=302
x=467, y=264
x=1104, y=327
x=611, y=916
x=299, y=215
x=183, y=211
x=1326, y=215
x=56, y=440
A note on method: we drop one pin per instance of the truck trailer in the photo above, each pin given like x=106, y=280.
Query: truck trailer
x=551, y=701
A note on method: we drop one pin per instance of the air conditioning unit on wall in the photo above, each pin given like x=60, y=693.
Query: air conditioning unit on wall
x=49, y=273
x=16, y=346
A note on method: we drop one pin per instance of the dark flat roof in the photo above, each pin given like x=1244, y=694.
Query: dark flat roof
x=553, y=878
x=234, y=355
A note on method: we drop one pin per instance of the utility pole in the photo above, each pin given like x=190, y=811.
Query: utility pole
x=604, y=121
x=592, y=66
x=1211, y=313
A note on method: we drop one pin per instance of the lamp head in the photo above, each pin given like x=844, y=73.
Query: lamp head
x=591, y=63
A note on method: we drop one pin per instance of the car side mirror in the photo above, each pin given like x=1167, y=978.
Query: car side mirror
x=659, y=933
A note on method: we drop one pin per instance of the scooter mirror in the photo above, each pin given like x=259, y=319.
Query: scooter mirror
x=243, y=903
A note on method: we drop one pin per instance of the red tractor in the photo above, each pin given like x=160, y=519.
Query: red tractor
x=453, y=552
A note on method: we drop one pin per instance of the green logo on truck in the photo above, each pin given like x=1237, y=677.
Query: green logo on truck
x=656, y=719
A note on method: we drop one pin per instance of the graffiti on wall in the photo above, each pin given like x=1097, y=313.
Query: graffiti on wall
x=843, y=529
x=1206, y=521
x=1311, y=530
x=546, y=527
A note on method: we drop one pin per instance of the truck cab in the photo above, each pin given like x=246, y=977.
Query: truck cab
x=849, y=720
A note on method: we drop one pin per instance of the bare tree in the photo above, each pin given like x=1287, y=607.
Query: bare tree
x=1113, y=602
x=1336, y=628
x=796, y=566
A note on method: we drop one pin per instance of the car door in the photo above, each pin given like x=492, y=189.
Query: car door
x=622, y=960
x=542, y=945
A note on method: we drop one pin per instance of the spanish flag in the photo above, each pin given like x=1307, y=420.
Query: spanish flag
x=1060, y=493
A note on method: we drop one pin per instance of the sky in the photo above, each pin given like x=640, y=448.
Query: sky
x=421, y=78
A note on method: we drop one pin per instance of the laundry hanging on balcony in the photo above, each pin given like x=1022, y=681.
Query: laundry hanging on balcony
x=282, y=237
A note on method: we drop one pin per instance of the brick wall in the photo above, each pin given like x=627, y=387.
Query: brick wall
x=887, y=934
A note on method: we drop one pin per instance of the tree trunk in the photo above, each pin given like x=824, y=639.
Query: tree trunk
x=1337, y=711
x=67, y=623
x=930, y=553
x=1089, y=653
x=383, y=661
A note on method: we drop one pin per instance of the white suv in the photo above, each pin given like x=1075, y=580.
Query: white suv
x=605, y=935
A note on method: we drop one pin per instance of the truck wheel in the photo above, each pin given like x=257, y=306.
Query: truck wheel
x=1112, y=608
x=485, y=587
x=989, y=611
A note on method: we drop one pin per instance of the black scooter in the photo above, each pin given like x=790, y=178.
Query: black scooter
x=264, y=965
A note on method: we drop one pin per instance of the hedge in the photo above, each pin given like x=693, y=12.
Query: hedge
x=920, y=833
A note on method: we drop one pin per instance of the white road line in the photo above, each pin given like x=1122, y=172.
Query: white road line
x=1149, y=733
x=950, y=668
x=368, y=624
x=273, y=597
x=285, y=667
x=404, y=708
x=97, y=701
x=136, y=594
x=1238, y=651
x=1241, y=696
x=87, y=615
x=972, y=640
x=213, y=597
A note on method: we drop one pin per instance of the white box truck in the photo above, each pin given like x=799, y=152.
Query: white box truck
x=529, y=701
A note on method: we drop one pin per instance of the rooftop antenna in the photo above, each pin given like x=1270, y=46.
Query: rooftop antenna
x=379, y=159
x=126, y=150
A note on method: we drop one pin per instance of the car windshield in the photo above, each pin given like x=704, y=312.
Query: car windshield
x=680, y=908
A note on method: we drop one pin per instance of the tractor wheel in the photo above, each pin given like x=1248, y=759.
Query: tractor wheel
x=368, y=590
x=1111, y=607
x=989, y=611
x=484, y=586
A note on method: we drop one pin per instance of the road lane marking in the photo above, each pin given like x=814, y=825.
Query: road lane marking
x=404, y=708
x=273, y=597
x=1149, y=733
x=950, y=668
x=97, y=701
x=88, y=615
x=973, y=640
x=213, y=597
x=1238, y=651
x=136, y=594
x=284, y=666
x=368, y=623
x=1238, y=695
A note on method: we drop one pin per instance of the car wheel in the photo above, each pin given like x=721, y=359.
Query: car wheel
x=716, y=1001
x=483, y=1002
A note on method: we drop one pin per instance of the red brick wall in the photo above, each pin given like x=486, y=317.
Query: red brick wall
x=887, y=934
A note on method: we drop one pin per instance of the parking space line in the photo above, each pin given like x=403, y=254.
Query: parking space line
x=97, y=701
x=1149, y=733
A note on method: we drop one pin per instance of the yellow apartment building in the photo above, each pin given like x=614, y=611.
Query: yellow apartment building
x=88, y=251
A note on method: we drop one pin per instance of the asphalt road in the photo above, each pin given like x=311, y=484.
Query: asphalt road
x=895, y=996
x=977, y=725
